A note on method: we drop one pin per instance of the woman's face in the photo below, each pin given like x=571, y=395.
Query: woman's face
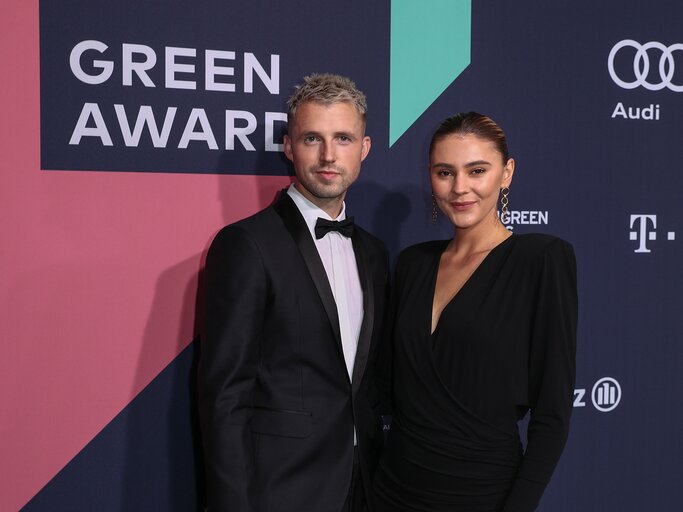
x=467, y=173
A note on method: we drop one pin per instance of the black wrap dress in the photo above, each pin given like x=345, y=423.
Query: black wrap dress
x=504, y=345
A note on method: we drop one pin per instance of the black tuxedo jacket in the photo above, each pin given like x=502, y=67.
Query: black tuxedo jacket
x=277, y=406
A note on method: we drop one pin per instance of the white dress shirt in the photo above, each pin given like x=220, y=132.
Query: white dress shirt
x=339, y=260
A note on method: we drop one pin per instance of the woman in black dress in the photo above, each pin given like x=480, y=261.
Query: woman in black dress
x=483, y=331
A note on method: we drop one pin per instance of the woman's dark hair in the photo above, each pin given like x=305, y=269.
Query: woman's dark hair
x=472, y=123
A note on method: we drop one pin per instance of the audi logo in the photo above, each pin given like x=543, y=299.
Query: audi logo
x=641, y=65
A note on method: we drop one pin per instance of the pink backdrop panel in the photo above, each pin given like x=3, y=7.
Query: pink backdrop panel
x=99, y=277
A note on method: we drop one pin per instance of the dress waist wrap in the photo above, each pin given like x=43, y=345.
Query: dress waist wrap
x=434, y=471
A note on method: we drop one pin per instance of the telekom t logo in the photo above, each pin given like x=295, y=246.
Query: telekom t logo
x=644, y=230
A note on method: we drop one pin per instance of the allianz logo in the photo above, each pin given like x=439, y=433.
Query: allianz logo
x=605, y=395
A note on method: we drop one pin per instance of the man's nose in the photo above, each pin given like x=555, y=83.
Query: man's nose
x=327, y=152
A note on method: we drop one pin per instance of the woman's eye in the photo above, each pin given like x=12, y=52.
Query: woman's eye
x=478, y=170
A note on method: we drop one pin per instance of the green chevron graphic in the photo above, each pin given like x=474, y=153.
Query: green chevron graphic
x=430, y=47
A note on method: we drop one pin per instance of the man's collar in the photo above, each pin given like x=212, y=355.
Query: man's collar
x=310, y=211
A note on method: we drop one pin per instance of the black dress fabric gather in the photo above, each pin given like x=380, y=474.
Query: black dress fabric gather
x=504, y=345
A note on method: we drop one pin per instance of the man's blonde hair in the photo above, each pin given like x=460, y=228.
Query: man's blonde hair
x=326, y=88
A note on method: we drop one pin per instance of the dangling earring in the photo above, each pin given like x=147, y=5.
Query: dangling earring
x=435, y=210
x=504, y=212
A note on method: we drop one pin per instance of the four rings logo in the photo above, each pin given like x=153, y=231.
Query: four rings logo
x=640, y=75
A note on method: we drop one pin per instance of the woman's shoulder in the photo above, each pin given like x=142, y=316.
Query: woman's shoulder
x=418, y=258
x=423, y=250
x=540, y=244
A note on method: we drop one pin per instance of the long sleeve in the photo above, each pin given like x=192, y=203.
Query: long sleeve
x=552, y=370
x=236, y=295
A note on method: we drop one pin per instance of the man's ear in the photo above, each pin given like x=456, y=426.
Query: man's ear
x=288, y=147
x=365, y=149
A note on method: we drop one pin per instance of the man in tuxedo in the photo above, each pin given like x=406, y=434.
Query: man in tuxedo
x=294, y=304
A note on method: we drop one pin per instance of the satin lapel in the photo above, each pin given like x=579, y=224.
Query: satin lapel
x=366, y=282
x=296, y=226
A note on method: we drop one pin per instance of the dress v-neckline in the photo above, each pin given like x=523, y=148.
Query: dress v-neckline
x=457, y=294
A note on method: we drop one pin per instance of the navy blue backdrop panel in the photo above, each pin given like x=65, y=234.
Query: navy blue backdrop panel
x=213, y=77
x=589, y=94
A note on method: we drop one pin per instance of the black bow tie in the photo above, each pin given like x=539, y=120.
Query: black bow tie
x=324, y=226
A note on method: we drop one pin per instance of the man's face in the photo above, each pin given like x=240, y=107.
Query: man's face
x=326, y=144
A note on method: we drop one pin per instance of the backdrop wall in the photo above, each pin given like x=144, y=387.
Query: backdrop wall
x=132, y=131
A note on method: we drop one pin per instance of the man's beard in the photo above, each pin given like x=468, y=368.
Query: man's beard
x=326, y=191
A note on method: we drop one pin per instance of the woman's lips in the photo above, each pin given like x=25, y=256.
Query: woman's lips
x=461, y=206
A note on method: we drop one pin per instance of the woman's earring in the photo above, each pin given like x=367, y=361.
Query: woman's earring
x=504, y=212
x=435, y=210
